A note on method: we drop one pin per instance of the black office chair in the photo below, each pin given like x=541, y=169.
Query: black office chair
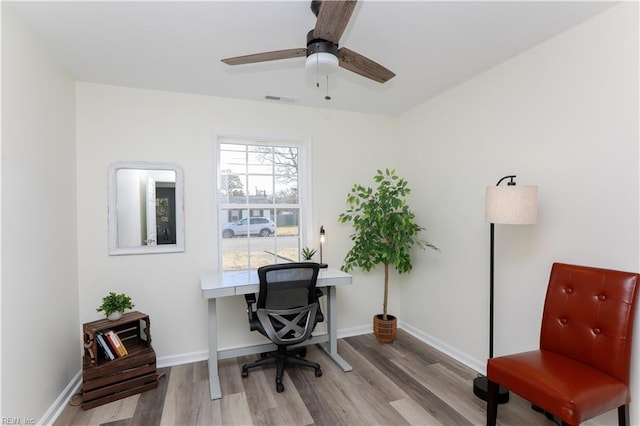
x=287, y=311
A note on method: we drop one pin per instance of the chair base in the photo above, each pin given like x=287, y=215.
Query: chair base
x=480, y=390
x=282, y=358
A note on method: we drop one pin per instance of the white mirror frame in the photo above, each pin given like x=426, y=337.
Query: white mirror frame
x=114, y=249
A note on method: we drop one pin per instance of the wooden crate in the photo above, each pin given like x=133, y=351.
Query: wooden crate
x=104, y=381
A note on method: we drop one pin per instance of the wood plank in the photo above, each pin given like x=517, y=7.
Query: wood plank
x=235, y=409
x=147, y=412
x=413, y=413
x=122, y=409
x=187, y=399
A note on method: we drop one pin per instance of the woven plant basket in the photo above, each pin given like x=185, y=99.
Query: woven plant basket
x=385, y=330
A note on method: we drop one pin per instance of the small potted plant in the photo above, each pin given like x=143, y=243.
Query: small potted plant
x=114, y=305
x=307, y=253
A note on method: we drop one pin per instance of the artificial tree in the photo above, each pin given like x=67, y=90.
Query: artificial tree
x=385, y=230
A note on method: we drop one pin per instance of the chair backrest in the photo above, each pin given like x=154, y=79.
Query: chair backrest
x=287, y=285
x=588, y=316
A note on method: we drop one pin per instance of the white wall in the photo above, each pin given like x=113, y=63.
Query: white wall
x=123, y=124
x=40, y=327
x=563, y=116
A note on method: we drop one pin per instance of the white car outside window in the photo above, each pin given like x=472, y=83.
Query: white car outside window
x=256, y=226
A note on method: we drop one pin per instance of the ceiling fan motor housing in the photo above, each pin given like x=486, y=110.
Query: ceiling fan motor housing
x=316, y=45
x=322, y=55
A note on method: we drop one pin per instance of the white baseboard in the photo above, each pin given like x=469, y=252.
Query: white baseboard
x=444, y=348
x=61, y=402
x=355, y=331
x=170, y=361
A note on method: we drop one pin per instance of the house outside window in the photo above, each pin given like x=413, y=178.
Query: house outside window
x=263, y=201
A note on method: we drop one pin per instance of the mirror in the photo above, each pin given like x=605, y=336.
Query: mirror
x=146, y=208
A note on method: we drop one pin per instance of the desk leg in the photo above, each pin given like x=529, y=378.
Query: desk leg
x=214, y=380
x=331, y=347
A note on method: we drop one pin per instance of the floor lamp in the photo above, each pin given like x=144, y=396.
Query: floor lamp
x=511, y=205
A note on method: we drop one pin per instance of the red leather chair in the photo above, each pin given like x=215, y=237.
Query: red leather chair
x=582, y=367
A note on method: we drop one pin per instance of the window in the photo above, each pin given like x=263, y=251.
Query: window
x=262, y=201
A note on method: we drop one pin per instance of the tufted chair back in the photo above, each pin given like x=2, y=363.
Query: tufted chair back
x=582, y=368
x=588, y=316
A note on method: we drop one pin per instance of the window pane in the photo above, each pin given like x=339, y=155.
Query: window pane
x=260, y=160
x=234, y=254
x=285, y=160
x=234, y=161
x=286, y=191
x=288, y=247
x=232, y=188
x=287, y=222
x=233, y=158
x=234, y=246
x=260, y=189
x=262, y=250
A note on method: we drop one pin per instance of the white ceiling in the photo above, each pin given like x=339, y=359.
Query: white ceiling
x=177, y=46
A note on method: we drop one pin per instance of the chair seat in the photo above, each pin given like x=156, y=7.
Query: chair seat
x=570, y=389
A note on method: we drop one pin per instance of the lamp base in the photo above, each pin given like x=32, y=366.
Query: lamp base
x=324, y=265
x=480, y=387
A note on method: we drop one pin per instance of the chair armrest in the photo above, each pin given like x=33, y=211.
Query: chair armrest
x=250, y=299
x=319, y=315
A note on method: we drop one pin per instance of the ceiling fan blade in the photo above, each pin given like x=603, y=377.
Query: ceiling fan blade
x=363, y=66
x=333, y=19
x=265, y=56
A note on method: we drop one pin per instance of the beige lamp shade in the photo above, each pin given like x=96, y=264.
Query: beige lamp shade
x=512, y=204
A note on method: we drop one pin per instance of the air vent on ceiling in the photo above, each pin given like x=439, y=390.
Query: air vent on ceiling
x=279, y=98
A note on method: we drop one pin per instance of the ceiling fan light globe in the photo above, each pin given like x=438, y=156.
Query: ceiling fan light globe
x=323, y=63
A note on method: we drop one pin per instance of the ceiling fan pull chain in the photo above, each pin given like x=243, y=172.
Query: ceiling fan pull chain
x=328, y=97
x=317, y=71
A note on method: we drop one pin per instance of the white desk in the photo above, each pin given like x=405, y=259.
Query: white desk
x=224, y=284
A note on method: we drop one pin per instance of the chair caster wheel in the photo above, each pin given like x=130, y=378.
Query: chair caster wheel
x=318, y=372
x=245, y=373
x=279, y=387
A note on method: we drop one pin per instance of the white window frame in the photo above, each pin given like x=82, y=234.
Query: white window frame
x=304, y=181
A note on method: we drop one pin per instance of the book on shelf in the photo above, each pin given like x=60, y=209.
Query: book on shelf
x=104, y=346
x=112, y=346
x=117, y=343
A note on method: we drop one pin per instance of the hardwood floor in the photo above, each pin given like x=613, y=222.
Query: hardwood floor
x=404, y=383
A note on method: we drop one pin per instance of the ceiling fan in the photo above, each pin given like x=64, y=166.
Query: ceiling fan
x=322, y=45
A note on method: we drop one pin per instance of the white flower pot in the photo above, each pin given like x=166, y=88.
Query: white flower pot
x=115, y=316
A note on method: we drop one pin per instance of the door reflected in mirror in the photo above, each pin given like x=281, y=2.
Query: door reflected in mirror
x=146, y=213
